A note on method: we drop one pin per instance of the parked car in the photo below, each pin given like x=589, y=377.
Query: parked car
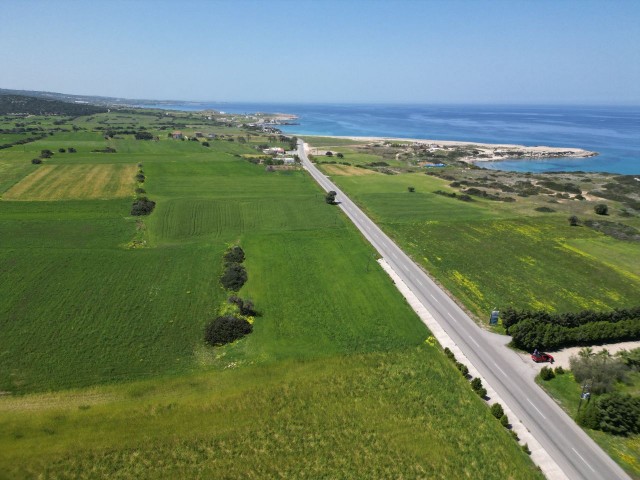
x=541, y=357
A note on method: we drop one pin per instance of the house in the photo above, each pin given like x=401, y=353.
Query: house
x=177, y=135
x=199, y=134
x=273, y=150
x=211, y=136
x=288, y=161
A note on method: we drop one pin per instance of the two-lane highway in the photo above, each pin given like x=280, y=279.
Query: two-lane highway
x=574, y=452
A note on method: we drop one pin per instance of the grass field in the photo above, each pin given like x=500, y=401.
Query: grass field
x=70, y=182
x=336, y=379
x=529, y=259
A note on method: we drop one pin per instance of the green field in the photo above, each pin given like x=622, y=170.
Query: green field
x=495, y=254
x=103, y=368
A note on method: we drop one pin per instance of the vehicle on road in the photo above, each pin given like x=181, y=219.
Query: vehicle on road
x=541, y=357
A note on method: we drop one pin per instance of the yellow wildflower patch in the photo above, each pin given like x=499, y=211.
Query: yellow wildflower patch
x=466, y=283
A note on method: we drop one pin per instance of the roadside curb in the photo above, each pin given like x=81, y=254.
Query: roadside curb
x=539, y=455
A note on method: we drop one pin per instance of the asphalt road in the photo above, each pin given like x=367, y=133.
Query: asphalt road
x=577, y=455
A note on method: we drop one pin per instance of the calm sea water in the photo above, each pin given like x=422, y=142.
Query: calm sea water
x=614, y=132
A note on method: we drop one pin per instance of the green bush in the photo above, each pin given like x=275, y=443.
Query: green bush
x=234, y=276
x=546, y=373
x=463, y=369
x=601, y=209
x=497, y=410
x=226, y=329
x=476, y=383
x=589, y=416
x=142, y=206
x=559, y=370
x=525, y=449
x=504, y=421
x=330, y=197
x=449, y=353
x=234, y=254
x=619, y=414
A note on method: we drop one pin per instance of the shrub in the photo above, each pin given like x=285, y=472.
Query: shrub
x=601, y=209
x=62, y=150
x=482, y=392
x=142, y=206
x=544, y=209
x=46, y=153
x=514, y=435
x=234, y=277
x=36, y=161
x=504, y=421
x=411, y=189
x=330, y=197
x=497, y=411
x=476, y=384
x=140, y=177
x=140, y=190
x=574, y=221
x=226, y=329
x=205, y=144
x=602, y=370
x=144, y=136
x=546, y=373
x=234, y=254
x=589, y=416
x=71, y=150
x=463, y=369
x=619, y=413
x=525, y=449
x=559, y=370
x=449, y=353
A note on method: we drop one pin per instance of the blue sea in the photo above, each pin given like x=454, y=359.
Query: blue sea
x=612, y=131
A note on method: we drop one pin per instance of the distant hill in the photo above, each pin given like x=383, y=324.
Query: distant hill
x=21, y=104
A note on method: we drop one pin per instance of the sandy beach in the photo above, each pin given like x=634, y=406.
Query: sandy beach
x=485, y=151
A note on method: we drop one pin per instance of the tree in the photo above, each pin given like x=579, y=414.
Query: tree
x=330, y=197
x=72, y=150
x=61, y=150
x=601, y=209
x=226, y=329
x=573, y=221
x=340, y=155
x=496, y=410
x=234, y=277
x=142, y=206
x=329, y=153
x=46, y=153
x=234, y=254
x=144, y=136
x=601, y=370
x=411, y=189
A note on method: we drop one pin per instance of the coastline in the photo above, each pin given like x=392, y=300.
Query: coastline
x=486, y=152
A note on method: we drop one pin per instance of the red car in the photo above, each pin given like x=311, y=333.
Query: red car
x=541, y=357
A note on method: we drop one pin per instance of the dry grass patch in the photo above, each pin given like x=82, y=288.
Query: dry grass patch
x=71, y=182
x=346, y=170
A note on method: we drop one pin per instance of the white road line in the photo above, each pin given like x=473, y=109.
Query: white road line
x=501, y=371
x=474, y=341
x=452, y=317
x=533, y=405
x=420, y=283
x=585, y=462
x=434, y=298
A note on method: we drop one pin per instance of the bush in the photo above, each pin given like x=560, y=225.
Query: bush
x=411, y=189
x=36, y=161
x=234, y=254
x=205, y=144
x=525, y=449
x=588, y=416
x=226, y=329
x=559, y=370
x=602, y=371
x=46, y=153
x=574, y=221
x=140, y=177
x=71, y=150
x=619, y=414
x=504, y=421
x=497, y=411
x=476, y=384
x=234, y=277
x=514, y=435
x=62, y=150
x=144, y=136
x=463, y=369
x=601, y=209
x=546, y=373
x=482, y=392
x=140, y=190
x=330, y=197
x=449, y=353
x=142, y=206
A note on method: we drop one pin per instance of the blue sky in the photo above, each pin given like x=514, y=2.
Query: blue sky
x=544, y=51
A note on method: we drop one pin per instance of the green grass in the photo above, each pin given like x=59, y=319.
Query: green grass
x=624, y=450
x=335, y=381
x=494, y=254
x=381, y=415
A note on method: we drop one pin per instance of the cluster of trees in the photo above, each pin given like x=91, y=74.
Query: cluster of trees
x=22, y=141
x=463, y=196
x=22, y=104
x=232, y=324
x=543, y=330
x=616, y=413
x=142, y=205
x=144, y=136
x=234, y=275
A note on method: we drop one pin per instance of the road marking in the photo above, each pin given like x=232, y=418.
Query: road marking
x=434, y=297
x=585, y=462
x=452, y=317
x=474, y=341
x=501, y=371
x=420, y=283
x=532, y=404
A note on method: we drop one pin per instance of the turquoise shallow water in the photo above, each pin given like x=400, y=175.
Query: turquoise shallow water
x=612, y=131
